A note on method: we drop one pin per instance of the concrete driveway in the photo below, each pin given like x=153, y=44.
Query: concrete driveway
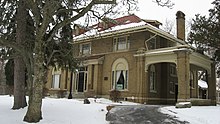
x=139, y=114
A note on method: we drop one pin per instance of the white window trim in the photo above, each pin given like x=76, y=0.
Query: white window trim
x=115, y=43
x=124, y=69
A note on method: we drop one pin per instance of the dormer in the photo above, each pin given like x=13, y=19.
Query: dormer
x=154, y=23
x=108, y=23
x=79, y=29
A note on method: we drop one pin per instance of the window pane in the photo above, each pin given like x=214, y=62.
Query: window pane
x=152, y=78
x=85, y=49
x=122, y=43
x=120, y=80
x=56, y=81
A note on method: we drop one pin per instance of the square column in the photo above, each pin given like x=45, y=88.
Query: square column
x=212, y=85
x=183, y=73
x=141, y=76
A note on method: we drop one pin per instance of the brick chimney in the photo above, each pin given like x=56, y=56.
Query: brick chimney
x=180, y=24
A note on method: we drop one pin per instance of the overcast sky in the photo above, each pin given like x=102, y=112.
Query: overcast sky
x=150, y=10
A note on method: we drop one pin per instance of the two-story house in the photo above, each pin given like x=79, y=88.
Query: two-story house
x=135, y=57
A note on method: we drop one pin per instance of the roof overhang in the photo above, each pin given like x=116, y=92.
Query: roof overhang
x=141, y=28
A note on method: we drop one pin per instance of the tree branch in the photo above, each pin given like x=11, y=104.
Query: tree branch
x=164, y=3
x=35, y=10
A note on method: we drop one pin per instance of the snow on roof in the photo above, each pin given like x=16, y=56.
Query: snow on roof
x=202, y=84
x=94, y=32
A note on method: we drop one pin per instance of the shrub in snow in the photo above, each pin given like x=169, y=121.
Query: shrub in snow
x=86, y=101
x=115, y=95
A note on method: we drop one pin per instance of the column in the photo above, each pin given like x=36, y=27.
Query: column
x=212, y=84
x=183, y=72
x=141, y=83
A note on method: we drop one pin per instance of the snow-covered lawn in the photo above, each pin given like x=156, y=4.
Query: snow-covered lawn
x=73, y=111
x=195, y=114
x=60, y=111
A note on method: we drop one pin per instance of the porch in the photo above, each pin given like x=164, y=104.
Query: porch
x=182, y=65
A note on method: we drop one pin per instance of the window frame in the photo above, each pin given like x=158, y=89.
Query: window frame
x=152, y=42
x=120, y=66
x=152, y=79
x=56, y=72
x=117, y=40
x=173, y=70
x=82, y=49
x=172, y=87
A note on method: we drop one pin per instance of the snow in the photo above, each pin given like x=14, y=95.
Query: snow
x=73, y=111
x=183, y=103
x=94, y=32
x=60, y=111
x=202, y=84
x=195, y=114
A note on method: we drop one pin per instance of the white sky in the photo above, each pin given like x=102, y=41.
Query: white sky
x=150, y=10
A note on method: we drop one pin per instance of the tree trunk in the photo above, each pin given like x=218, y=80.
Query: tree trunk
x=19, y=84
x=34, y=113
x=19, y=68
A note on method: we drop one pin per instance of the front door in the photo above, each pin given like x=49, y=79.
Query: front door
x=82, y=79
x=81, y=82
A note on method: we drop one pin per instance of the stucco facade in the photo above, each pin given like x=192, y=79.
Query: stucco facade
x=144, y=63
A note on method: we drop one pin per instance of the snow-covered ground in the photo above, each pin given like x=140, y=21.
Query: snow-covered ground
x=73, y=111
x=60, y=111
x=195, y=114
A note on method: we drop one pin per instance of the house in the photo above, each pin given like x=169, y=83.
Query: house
x=134, y=56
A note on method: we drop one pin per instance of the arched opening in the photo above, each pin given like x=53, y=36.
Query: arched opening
x=198, y=82
x=162, y=83
x=120, y=74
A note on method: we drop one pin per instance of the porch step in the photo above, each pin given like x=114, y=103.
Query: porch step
x=78, y=95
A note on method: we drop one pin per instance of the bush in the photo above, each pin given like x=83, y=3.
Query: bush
x=115, y=95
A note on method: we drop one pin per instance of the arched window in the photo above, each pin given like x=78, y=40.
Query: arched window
x=152, y=78
x=56, y=74
x=120, y=74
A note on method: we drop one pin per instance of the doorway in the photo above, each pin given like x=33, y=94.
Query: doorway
x=82, y=79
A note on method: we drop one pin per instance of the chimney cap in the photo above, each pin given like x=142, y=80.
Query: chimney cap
x=180, y=14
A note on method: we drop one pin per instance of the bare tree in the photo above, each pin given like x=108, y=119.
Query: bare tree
x=169, y=27
x=163, y=3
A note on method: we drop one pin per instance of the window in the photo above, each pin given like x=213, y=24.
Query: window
x=152, y=78
x=191, y=80
x=172, y=87
x=120, y=74
x=173, y=70
x=121, y=43
x=56, y=81
x=85, y=49
x=152, y=42
x=56, y=74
